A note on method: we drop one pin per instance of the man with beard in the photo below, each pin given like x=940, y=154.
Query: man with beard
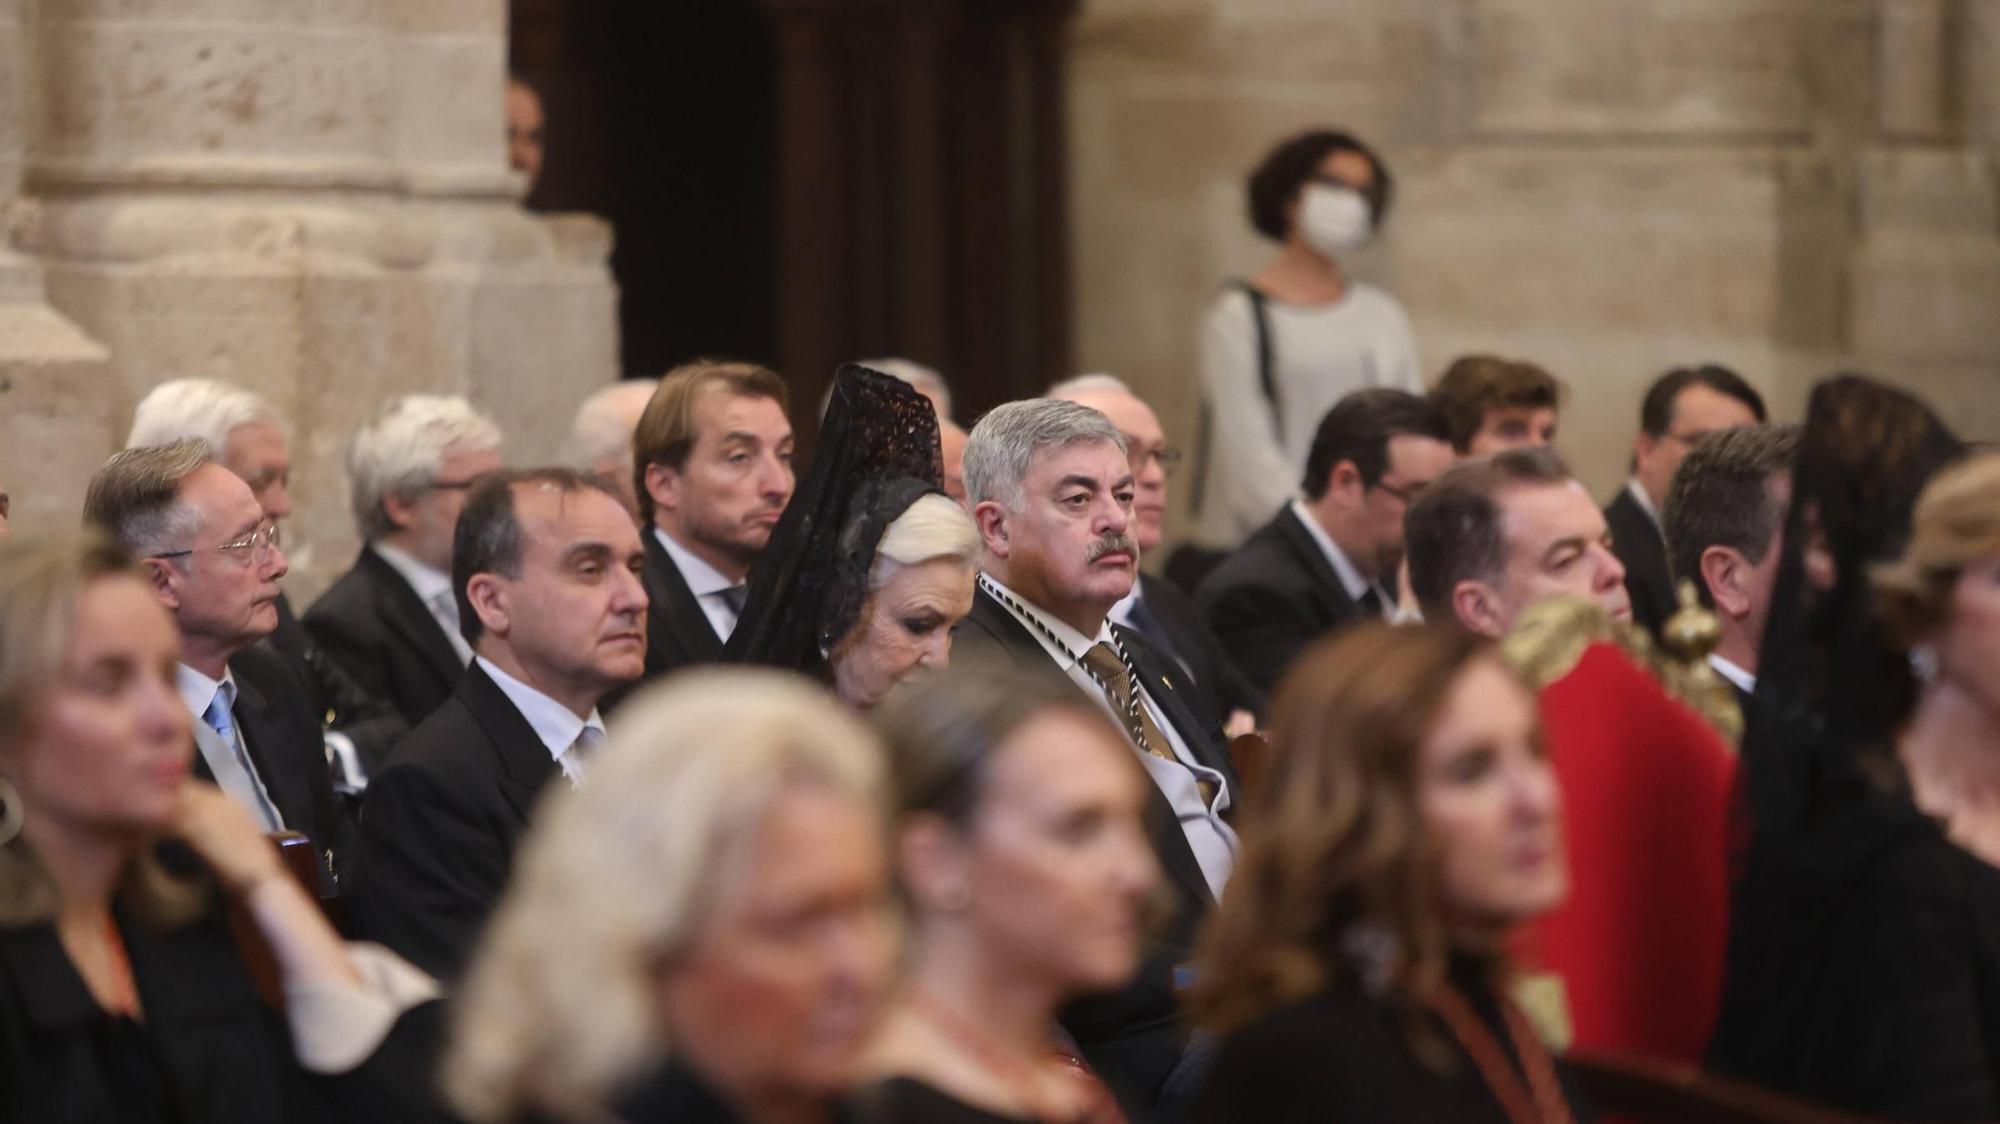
x=1052, y=489
x=712, y=472
x=1329, y=557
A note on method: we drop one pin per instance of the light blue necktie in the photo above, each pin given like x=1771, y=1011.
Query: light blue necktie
x=219, y=718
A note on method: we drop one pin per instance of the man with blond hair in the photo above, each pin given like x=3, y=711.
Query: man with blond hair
x=391, y=622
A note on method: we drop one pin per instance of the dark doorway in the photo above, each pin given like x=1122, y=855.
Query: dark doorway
x=660, y=119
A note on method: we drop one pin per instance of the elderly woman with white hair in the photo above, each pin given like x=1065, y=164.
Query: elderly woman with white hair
x=872, y=565
x=702, y=933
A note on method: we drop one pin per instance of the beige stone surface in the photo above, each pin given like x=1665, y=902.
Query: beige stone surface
x=308, y=199
x=1609, y=187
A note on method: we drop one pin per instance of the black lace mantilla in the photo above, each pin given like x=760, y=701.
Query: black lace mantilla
x=877, y=454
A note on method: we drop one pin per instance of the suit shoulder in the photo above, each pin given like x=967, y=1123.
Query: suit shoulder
x=273, y=670
x=449, y=739
x=347, y=602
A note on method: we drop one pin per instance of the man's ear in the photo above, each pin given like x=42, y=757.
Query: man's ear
x=993, y=529
x=401, y=509
x=1345, y=481
x=492, y=598
x=1477, y=606
x=663, y=484
x=1723, y=571
x=165, y=580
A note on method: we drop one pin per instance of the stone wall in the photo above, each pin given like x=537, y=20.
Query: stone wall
x=1610, y=187
x=311, y=201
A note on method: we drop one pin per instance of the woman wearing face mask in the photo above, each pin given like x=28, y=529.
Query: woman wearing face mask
x=1410, y=826
x=124, y=998
x=1023, y=856
x=1280, y=347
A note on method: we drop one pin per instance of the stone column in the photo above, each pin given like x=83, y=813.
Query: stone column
x=55, y=424
x=311, y=201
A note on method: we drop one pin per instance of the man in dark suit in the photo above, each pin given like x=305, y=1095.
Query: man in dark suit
x=1725, y=523
x=1681, y=408
x=391, y=622
x=1330, y=557
x=712, y=471
x=213, y=558
x=546, y=566
x=1156, y=608
x=246, y=435
x=1052, y=490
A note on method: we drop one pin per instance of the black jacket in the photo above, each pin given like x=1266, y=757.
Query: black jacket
x=1637, y=543
x=274, y=711
x=374, y=628
x=372, y=724
x=677, y=631
x=1132, y=1037
x=1273, y=597
x=209, y=1050
x=440, y=824
x=1187, y=639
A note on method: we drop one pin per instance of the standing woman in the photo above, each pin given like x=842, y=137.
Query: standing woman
x=123, y=999
x=1409, y=827
x=1280, y=347
x=1023, y=858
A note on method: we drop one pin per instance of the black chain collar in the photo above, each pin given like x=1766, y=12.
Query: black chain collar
x=1134, y=728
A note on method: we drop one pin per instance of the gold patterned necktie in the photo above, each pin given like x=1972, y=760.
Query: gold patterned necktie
x=1110, y=671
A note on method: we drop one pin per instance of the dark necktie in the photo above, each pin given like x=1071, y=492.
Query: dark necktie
x=734, y=597
x=1371, y=604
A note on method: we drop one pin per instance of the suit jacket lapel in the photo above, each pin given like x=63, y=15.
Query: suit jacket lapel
x=675, y=609
x=407, y=614
x=287, y=787
x=1165, y=685
x=526, y=766
x=1300, y=541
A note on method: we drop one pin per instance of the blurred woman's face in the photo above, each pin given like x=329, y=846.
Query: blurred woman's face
x=906, y=625
x=1969, y=645
x=1488, y=803
x=109, y=747
x=1056, y=861
x=777, y=998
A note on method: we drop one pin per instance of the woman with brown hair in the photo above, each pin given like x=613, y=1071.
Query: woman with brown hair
x=1409, y=824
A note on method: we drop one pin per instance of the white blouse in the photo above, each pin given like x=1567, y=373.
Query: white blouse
x=1319, y=354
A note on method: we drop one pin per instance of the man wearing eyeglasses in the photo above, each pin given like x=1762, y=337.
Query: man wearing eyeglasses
x=1156, y=608
x=1681, y=407
x=214, y=560
x=1329, y=557
x=391, y=622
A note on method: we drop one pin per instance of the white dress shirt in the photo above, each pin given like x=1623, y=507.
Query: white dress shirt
x=1351, y=579
x=433, y=587
x=706, y=583
x=229, y=762
x=1213, y=841
x=1732, y=671
x=556, y=725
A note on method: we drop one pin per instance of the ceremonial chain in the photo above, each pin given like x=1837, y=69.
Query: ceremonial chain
x=1133, y=727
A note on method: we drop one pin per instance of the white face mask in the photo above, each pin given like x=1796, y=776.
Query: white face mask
x=1334, y=220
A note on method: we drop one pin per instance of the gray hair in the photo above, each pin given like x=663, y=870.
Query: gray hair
x=401, y=451
x=204, y=409
x=933, y=527
x=926, y=379
x=621, y=874
x=604, y=424
x=1003, y=445
x=1096, y=382
x=136, y=497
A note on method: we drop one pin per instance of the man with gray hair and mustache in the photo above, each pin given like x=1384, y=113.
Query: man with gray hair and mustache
x=1051, y=489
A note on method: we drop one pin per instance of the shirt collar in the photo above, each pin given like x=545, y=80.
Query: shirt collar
x=1351, y=580
x=426, y=580
x=552, y=722
x=1638, y=493
x=198, y=690
x=702, y=579
x=1064, y=644
x=1733, y=672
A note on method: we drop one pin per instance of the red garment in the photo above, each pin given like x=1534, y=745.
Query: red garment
x=1647, y=788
